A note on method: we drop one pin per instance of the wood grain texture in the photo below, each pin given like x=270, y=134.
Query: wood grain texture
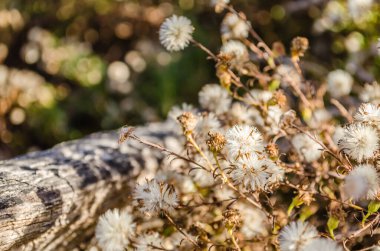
x=50, y=200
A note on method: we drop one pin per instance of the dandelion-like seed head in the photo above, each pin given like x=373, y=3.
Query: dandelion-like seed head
x=243, y=141
x=362, y=183
x=368, y=113
x=296, y=236
x=236, y=50
x=306, y=147
x=175, y=33
x=371, y=93
x=149, y=242
x=114, y=229
x=360, y=141
x=339, y=83
x=214, y=98
x=234, y=26
x=154, y=197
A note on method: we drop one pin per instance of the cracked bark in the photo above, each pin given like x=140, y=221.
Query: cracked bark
x=50, y=200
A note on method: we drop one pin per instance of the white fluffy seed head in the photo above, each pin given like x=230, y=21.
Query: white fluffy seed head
x=236, y=50
x=114, y=229
x=255, y=174
x=175, y=33
x=214, y=98
x=360, y=141
x=154, y=196
x=339, y=83
x=369, y=113
x=296, y=236
x=371, y=93
x=149, y=242
x=205, y=124
x=362, y=183
x=322, y=244
x=234, y=27
x=243, y=141
x=306, y=147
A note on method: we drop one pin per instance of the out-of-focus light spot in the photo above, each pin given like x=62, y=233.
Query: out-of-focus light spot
x=6, y=136
x=337, y=46
x=154, y=15
x=164, y=58
x=277, y=12
x=30, y=53
x=123, y=30
x=135, y=60
x=263, y=17
x=167, y=8
x=3, y=52
x=186, y=4
x=17, y=116
x=94, y=77
x=91, y=36
x=314, y=12
x=118, y=71
x=354, y=42
x=46, y=96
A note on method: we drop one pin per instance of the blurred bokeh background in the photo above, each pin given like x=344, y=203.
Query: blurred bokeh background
x=69, y=68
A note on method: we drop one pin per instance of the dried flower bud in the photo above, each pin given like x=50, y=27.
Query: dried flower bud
x=188, y=122
x=231, y=218
x=216, y=141
x=272, y=150
x=306, y=197
x=124, y=133
x=223, y=75
x=299, y=46
x=287, y=119
x=280, y=98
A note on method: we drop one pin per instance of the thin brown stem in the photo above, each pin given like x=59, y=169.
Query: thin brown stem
x=180, y=229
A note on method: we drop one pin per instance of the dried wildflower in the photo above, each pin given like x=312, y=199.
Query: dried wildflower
x=224, y=76
x=231, y=218
x=219, y=5
x=279, y=98
x=339, y=83
x=287, y=119
x=255, y=174
x=236, y=50
x=306, y=147
x=243, y=141
x=368, y=113
x=214, y=98
x=362, y=183
x=299, y=46
x=188, y=122
x=240, y=114
x=154, y=197
x=296, y=236
x=272, y=150
x=176, y=33
x=360, y=141
x=234, y=26
x=216, y=141
x=371, y=93
x=176, y=111
x=287, y=74
x=149, y=242
x=324, y=244
x=260, y=96
x=114, y=229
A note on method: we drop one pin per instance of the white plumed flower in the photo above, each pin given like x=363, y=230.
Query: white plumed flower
x=243, y=141
x=371, y=93
x=306, y=147
x=205, y=124
x=359, y=8
x=214, y=98
x=296, y=236
x=255, y=174
x=362, y=183
x=360, y=141
x=339, y=83
x=322, y=244
x=176, y=111
x=234, y=27
x=154, y=197
x=241, y=114
x=338, y=134
x=175, y=33
x=149, y=242
x=236, y=50
x=368, y=113
x=255, y=223
x=114, y=229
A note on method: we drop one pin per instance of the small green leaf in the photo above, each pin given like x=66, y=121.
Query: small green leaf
x=373, y=207
x=332, y=224
x=296, y=202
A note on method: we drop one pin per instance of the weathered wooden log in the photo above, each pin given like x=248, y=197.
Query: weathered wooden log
x=50, y=200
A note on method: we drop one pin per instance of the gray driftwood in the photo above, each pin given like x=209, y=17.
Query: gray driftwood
x=50, y=200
